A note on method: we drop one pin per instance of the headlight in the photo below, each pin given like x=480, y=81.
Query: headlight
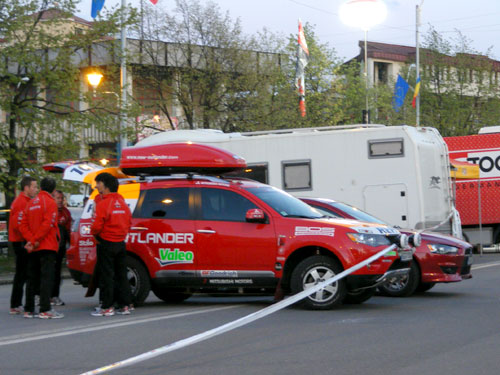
x=369, y=239
x=437, y=248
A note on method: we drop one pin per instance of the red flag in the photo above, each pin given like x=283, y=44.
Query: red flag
x=302, y=60
x=154, y=1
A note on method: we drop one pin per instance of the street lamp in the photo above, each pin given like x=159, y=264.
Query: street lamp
x=94, y=80
x=363, y=14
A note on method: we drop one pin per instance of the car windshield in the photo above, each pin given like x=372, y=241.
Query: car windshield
x=285, y=204
x=356, y=213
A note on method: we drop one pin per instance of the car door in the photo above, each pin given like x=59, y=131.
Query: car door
x=225, y=241
x=162, y=231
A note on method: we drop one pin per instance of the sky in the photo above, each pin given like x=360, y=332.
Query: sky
x=478, y=20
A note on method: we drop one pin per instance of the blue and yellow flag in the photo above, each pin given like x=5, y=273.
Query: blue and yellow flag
x=96, y=7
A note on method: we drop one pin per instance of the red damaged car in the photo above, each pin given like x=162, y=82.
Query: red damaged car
x=439, y=259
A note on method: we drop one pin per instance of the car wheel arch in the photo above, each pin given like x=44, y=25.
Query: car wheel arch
x=300, y=254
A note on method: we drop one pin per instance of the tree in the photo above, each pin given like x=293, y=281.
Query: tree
x=42, y=55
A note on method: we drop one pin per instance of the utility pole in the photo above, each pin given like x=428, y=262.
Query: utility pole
x=123, y=84
x=417, y=70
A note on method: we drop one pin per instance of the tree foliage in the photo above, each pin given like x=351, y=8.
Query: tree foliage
x=41, y=96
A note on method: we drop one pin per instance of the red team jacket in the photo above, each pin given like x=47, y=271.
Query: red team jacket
x=39, y=222
x=64, y=218
x=16, y=215
x=112, y=218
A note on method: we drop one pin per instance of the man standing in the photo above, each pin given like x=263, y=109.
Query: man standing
x=110, y=227
x=64, y=224
x=29, y=189
x=39, y=228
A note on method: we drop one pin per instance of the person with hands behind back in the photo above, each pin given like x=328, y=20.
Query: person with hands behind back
x=110, y=228
x=40, y=230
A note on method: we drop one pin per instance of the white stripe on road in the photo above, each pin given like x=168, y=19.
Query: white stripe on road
x=480, y=266
x=9, y=340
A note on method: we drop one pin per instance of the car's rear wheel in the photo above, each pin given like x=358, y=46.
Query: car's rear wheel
x=360, y=296
x=169, y=296
x=138, y=277
x=313, y=270
x=424, y=287
x=402, y=287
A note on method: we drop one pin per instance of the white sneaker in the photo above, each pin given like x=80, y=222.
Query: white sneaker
x=56, y=301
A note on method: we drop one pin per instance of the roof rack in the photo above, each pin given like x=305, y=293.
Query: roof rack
x=310, y=130
x=181, y=176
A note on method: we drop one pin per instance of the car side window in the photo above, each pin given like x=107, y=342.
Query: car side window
x=165, y=204
x=224, y=205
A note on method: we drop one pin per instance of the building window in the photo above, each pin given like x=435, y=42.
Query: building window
x=297, y=175
x=385, y=148
x=381, y=72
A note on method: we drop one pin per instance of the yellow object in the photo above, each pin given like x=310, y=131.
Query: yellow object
x=115, y=171
x=464, y=171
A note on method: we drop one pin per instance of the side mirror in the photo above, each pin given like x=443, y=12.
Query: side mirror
x=255, y=215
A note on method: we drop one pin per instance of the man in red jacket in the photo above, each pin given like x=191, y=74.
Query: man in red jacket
x=64, y=223
x=29, y=189
x=110, y=227
x=39, y=228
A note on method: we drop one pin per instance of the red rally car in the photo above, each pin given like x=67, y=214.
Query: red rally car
x=438, y=259
x=195, y=233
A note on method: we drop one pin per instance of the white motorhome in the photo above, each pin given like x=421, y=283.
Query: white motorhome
x=399, y=173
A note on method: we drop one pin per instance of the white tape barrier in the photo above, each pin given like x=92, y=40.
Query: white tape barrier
x=239, y=322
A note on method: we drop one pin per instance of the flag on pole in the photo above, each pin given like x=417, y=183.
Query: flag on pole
x=400, y=90
x=415, y=94
x=302, y=60
x=96, y=7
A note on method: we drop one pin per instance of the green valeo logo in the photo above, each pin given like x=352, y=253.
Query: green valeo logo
x=174, y=256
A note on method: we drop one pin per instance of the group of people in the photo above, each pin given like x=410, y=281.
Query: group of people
x=39, y=231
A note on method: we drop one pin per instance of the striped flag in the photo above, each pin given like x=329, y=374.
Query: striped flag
x=302, y=60
x=415, y=94
x=96, y=7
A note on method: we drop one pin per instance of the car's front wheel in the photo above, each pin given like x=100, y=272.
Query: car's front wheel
x=313, y=270
x=404, y=286
x=138, y=277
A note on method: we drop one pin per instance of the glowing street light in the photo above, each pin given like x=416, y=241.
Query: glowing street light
x=94, y=79
x=363, y=14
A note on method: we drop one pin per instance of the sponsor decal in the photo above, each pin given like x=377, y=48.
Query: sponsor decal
x=219, y=273
x=84, y=230
x=376, y=230
x=175, y=256
x=152, y=157
x=314, y=231
x=435, y=182
x=231, y=281
x=489, y=162
x=87, y=242
x=169, y=238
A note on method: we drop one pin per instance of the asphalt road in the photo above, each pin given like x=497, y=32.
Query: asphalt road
x=452, y=329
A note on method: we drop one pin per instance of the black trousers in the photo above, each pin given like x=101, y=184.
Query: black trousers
x=59, y=259
x=21, y=275
x=112, y=270
x=41, y=270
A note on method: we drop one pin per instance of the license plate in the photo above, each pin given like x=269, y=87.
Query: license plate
x=405, y=256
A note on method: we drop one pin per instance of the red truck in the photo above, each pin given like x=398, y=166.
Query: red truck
x=478, y=199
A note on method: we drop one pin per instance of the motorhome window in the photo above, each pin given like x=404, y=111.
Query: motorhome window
x=224, y=205
x=257, y=172
x=297, y=175
x=164, y=204
x=386, y=148
x=285, y=204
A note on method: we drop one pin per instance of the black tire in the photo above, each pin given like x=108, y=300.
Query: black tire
x=358, y=297
x=404, y=287
x=140, y=284
x=167, y=295
x=424, y=287
x=311, y=271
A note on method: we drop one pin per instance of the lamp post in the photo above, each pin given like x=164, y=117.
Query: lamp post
x=94, y=80
x=363, y=14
